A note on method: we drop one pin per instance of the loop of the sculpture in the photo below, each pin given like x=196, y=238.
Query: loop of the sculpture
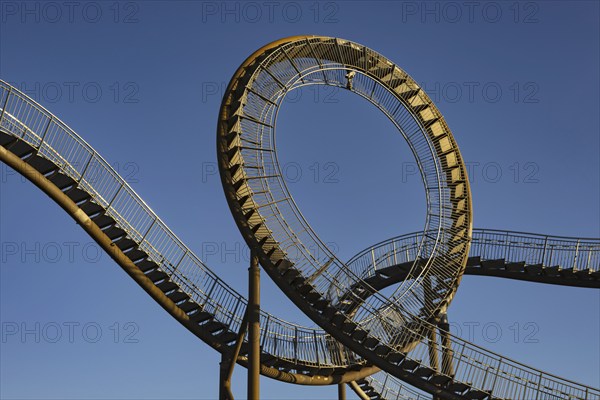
x=260, y=201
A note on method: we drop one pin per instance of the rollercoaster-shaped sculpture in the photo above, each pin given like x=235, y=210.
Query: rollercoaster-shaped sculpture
x=380, y=346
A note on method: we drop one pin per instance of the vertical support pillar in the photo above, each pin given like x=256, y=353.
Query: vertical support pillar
x=228, y=360
x=224, y=378
x=253, y=328
x=342, y=391
x=432, y=345
x=447, y=353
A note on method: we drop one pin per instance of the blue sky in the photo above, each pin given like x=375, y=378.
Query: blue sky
x=518, y=84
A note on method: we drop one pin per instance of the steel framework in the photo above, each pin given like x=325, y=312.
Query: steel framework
x=363, y=331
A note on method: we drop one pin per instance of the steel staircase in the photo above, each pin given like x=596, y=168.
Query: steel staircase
x=363, y=331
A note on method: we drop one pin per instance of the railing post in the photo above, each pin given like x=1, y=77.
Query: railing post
x=495, y=377
x=114, y=197
x=507, y=249
x=295, y=344
x=180, y=260
x=544, y=251
x=265, y=331
x=253, y=328
x=148, y=231
x=46, y=130
x=84, y=168
x=576, y=254
x=5, y=103
x=316, y=346
x=537, y=394
x=373, y=257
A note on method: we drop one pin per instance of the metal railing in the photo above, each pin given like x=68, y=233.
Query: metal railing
x=269, y=214
x=579, y=254
x=24, y=118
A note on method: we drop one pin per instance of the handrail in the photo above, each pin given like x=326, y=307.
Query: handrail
x=22, y=116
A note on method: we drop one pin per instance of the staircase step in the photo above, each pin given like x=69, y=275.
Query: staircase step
x=440, y=380
x=77, y=195
x=395, y=357
x=167, y=285
x=305, y=289
x=201, y=316
x=61, y=181
x=584, y=273
x=125, y=243
x=136, y=254
x=178, y=296
x=41, y=164
x=382, y=350
x=91, y=208
x=146, y=265
x=214, y=326
x=534, y=269
x=370, y=342
x=457, y=387
x=349, y=327
x=7, y=139
x=424, y=372
x=476, y=394
x=515, y=267
x=321, y=304
x=473, y=261
x=409, y=365
x=157, y=275
x=359, y=334
x=21, y=149
x=492, y=264
x=189, y=306
x=103, y=221
x=567, y=272
x=312, y=296
x=227, y=336
x=553, y=272
x=114, y=232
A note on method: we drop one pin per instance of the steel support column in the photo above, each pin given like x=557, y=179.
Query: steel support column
x=253, y=312
x=342, y=391
x=432, y=345
x=228, y=360
x=447, y=354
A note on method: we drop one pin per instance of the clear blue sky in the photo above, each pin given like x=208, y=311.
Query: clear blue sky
x=518, y=84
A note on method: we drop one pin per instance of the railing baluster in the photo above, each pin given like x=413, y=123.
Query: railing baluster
x=544, y=251
x=576, y=255
x=5, y=103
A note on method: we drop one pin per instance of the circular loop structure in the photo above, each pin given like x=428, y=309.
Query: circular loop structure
x=268, y=217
